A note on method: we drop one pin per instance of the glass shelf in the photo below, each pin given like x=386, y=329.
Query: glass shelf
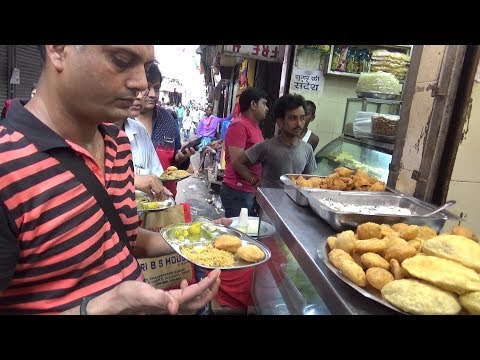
x=369, y=156
x=280, y=286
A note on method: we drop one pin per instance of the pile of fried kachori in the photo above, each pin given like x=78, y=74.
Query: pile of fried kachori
x=342, y=178
x=414, y=268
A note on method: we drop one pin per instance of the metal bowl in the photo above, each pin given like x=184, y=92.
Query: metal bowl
x=377, y=95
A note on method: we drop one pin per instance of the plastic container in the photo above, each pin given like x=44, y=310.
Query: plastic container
x=385, y=125
x=243, y=221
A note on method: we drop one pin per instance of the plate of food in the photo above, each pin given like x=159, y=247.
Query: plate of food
x=405, y=268
x=173, y=174
x=265, y=230
x=213, y=246
x=144, y=203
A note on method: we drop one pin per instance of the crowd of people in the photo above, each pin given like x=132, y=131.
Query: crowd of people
x=60, y=250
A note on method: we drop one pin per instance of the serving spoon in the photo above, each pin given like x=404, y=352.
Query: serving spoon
x=443, y=207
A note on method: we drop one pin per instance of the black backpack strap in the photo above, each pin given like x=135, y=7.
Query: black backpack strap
x=77, y=166
x=68, y=158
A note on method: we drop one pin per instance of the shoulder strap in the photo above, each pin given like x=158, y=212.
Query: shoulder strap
x=77, y=166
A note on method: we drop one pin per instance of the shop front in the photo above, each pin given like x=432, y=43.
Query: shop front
x=434, y=115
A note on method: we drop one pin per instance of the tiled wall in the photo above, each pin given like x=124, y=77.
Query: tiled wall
x=331, y=103
x=465, y=183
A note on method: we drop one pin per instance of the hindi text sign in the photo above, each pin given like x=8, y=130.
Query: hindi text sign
x=307, y=80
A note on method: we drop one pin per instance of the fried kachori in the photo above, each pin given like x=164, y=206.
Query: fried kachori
x=426, y=232
x=346, y=241
x=228, y=243
x=464, y=231
x=338, y=254
x=396, y=269
x=419, y=298
x=400, y=252
x=331, y=242
x=251, y=253
x=352, y=271
x=378, y=277
x=369, y=230
x=374, y=260
x=370, y=245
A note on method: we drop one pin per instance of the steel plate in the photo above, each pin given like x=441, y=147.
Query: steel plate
x=207, y=237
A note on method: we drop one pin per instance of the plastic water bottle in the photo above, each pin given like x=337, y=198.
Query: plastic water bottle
x=243, y=220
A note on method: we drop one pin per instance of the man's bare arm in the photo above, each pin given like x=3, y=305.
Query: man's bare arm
x=150, y=244
x=241, y=163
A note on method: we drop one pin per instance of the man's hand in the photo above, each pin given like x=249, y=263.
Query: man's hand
x=194, y=297
x=216, y=144
x=152, y=186
x=180, y=157
x=136, y=297
x=223, y=221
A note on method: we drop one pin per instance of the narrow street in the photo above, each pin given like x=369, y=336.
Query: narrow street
x=195, y=191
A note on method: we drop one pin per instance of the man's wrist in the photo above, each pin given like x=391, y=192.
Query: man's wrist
x=103, y=304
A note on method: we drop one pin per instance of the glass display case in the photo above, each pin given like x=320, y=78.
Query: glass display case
x=371, y=156
x=354, y=105
x=280, y=286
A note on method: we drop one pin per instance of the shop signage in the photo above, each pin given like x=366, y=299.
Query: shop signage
x=259, y=52
x=307, y=80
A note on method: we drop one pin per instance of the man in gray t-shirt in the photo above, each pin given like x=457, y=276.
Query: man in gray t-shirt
x=283, y=154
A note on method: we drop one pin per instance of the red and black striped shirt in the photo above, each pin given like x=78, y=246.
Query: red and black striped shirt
x=56, y=243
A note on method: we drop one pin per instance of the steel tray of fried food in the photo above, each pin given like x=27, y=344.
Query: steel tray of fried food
x=341, y=221
x=293, y=191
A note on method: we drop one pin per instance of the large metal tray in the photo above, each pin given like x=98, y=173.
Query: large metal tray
x=207, y=237
x=368, y=291
x=295, y=193
x=341, y=221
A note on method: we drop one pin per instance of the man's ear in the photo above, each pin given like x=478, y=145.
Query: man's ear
x=253, y=104
x=56, y=55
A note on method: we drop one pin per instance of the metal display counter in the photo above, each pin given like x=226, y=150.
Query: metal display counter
x=302, y=232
